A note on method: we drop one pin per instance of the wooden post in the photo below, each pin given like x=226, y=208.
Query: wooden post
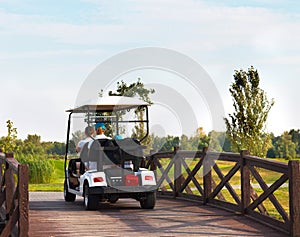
x=207, y=177
x=10, y=185
x=245, y=182
x=177, y=172
x=294, y=191
x=152, y=159
x=23, y=200
x=152, y=165
x=2, y=163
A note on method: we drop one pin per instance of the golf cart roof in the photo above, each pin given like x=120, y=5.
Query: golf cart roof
x=110, y=103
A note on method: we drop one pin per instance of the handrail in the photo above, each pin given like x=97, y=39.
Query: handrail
x=14, y=197
x=205, y=181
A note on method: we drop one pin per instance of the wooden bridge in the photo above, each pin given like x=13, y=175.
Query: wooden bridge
x=200, y=193
x=50, y=215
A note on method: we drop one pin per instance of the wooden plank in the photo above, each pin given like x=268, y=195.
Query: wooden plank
x=268, y=193
x=276, y=166
x=23, y=200
x=270, y=221
x=294, y=190
x=224, y=181
x=260, y=207
x=191, y=177
x=9, y=189
x=177, y=172
x=165, y=175
x=11, y=224
x=245, y=183
x=51, y=216
x=225, y=205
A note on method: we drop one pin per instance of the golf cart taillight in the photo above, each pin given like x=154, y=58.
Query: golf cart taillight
x=148, y=177
x=98, y=179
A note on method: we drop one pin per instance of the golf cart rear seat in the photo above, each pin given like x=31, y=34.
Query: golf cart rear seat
x=104, y=153
x=75, y=169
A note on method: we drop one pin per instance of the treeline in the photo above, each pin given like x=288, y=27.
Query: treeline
x=33, y=145
x=34, y=152
x=285, y=146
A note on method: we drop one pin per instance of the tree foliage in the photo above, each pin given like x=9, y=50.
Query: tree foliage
x=246, y=126
x=285, y=147
x=9, y=142
x=132, y=90
x=135, y=89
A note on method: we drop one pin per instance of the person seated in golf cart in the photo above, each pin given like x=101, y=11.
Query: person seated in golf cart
x=100, y=130
x=107, y=158
x=89, y=133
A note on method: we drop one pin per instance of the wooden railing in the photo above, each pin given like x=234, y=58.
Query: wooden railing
x=13, y=197
x=265, y=190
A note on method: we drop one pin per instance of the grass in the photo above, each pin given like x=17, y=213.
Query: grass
x=56, y=183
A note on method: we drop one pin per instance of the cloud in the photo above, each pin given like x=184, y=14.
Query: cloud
x=222, y=37
x=194, y=23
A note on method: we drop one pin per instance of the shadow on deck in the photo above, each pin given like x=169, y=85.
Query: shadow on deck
x=50, y=215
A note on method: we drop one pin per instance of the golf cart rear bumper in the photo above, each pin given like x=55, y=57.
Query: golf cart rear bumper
x=122, y=189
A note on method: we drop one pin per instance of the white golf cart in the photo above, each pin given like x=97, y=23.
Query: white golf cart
x=109, y=169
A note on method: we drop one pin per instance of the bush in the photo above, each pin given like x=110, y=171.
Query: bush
x=40, y=168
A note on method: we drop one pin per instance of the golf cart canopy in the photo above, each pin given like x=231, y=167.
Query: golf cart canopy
x=111, y=103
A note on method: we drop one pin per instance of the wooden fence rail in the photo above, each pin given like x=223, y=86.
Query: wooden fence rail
x=13, y=197
x=199, y=175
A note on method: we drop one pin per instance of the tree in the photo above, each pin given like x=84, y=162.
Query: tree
x=9, y=142
x=32, y=145
x=56, y=148
x=296, y=139
x=169, y=143
x=132, y=90
x=185, y=143
x=285, y=147
x=246, y=126
x=203, y=138
x=216, y=140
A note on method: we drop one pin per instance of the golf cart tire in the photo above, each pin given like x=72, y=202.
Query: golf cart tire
x=69, y=197
x=113, y=199
x=91, y=202
x=149, y=201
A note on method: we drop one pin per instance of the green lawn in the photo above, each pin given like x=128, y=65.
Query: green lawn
x=57, y=180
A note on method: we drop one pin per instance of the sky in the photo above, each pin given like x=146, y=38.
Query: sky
x=48, y=49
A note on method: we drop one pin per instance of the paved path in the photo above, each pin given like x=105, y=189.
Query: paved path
x=50, y=215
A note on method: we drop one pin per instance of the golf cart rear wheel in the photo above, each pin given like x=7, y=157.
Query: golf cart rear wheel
x=69, y=197
x=90, y=201
x=149, y=201
x=113, y=199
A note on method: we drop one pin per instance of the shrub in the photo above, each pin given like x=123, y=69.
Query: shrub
x=40, y=168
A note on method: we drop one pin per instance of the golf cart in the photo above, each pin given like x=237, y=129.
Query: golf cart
x=109, y=169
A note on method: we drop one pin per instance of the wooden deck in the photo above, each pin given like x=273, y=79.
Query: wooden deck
x=50, y=215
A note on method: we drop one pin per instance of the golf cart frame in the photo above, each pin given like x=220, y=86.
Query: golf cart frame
x=110, y=169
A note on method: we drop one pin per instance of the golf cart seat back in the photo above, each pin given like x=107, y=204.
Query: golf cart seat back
x=131, y=150
x=76, y=167
x=104, y=152
x=84, y=152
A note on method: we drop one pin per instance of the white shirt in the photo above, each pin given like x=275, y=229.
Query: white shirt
x=102, y=136
x=82, y=142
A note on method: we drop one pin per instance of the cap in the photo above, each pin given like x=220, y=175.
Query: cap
x=100, y=125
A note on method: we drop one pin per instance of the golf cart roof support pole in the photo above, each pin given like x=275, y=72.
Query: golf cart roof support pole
x=67, y=143
x=88, y=114
x=147, y=123
x=117, y=123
